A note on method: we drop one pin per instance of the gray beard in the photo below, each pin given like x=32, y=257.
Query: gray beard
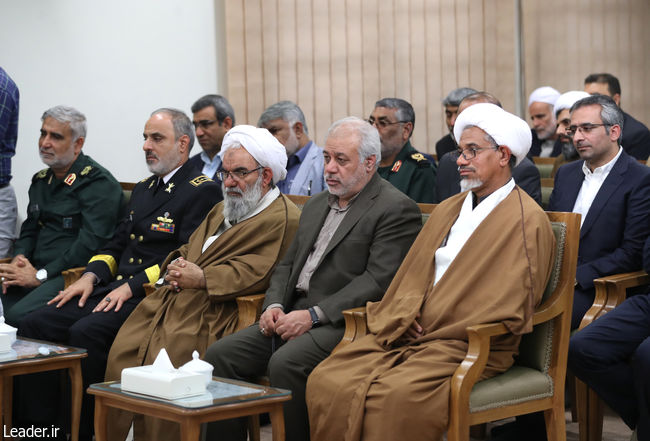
x=468, y=184
x=236, y=208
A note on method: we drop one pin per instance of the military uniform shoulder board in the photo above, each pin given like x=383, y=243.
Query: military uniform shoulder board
x=421, y=160
x=199, y=180
x=144, y=179
x=41, y=174
x=86, y=170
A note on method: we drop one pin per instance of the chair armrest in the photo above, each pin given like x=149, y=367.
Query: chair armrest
x=5, y=260
x=72, y=275
x=611, y=292
x=148, y=288
x=356, y=326
x=249, y=309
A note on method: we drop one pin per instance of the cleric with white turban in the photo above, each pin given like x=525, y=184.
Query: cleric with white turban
x=261, y=145
x=506, y=129
x=544, y=94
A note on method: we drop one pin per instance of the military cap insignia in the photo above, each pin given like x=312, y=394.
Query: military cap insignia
x=396, y=166
x=70, y=178
x=41, y=174
x=199, y=180
x=86, y=170
x=418, y=157
x=169, y=187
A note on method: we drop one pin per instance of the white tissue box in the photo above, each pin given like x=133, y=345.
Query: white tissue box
x=5, y=342
x=163, y=384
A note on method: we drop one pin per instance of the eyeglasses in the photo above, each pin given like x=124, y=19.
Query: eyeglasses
x=470, y=153
x=585, y=128
x=382, y=123
x=204, y=123
x=235, y=174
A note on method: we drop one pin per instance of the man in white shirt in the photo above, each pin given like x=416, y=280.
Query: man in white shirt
x=611, y=191
x=212, y=117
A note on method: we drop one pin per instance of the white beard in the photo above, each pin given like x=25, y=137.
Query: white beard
x=237, y=207
x=468, y=184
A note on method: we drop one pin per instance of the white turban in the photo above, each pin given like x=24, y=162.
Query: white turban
x=544, y=94
x=261, y=145
x=505, y=128
x=566, y=100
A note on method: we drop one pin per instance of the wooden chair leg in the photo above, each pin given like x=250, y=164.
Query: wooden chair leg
x=254, y=428
x=571, y=389
x=595, y=418
x=555, y=424
x=582, y=405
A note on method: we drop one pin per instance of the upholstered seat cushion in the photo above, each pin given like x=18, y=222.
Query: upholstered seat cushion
x=517, y=385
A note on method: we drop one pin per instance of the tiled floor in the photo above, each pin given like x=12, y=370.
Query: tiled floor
x=613, y=429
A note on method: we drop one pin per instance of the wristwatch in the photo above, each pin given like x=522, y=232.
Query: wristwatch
x=315, y=321
x=41, y=275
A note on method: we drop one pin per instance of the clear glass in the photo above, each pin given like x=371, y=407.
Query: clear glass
x=28, y=349
x=220, y=391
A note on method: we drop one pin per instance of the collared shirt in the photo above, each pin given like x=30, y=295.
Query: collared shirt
x=469, y=219
x=293, y=165
x=227, y=224
x=9, y=97
x=210, y=166
x=331, y=224
x=591, y=185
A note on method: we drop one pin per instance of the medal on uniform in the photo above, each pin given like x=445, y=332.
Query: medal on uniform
x=396, y=166
x=70, y=178
x=165, y=224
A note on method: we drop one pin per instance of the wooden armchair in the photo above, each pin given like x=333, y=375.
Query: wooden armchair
x=536, y=381
x=610, y=292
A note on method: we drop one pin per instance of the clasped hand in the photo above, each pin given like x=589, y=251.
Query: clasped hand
x=287, y=326
x=182, y=274
x=20, y=272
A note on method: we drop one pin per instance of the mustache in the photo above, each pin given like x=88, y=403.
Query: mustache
x=466, y=168
x=151, y=155
x=332, y=177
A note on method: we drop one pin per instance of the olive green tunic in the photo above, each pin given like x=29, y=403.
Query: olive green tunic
x=67, y=221
x=413, y=174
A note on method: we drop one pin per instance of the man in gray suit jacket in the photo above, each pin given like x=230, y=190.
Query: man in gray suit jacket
x=350, y=242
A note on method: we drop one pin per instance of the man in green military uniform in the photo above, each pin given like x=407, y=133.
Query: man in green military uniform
x=72, y=212
x=402, y=165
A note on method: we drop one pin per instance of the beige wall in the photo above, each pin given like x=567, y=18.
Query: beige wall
x=337, y=57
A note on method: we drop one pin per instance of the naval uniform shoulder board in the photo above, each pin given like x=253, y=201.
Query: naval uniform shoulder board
x=200, y=180
x=144, y=179
x=420, y=160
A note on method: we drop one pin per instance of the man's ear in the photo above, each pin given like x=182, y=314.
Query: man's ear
x=78, y=144
x=615, y=132
x=183, y=144
x=617, y=99
x=227, y=123
x=267, y=176
x=506, y=154
x=407, y=131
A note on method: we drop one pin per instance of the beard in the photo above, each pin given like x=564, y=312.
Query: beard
x=164, y=164
x=468, y=184
x=61, y=160
x=236, y=207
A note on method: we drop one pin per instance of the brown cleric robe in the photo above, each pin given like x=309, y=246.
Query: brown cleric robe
x=238, y=262
x=386, y=386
